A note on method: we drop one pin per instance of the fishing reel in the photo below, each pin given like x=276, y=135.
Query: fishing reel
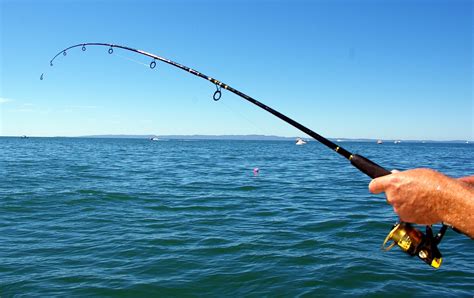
x=415, y=243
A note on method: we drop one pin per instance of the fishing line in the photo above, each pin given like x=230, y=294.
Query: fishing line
x=410, y=239
x=132, y=60
x=233, y=111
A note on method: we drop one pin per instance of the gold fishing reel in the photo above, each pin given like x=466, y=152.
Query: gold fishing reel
x=415, y=243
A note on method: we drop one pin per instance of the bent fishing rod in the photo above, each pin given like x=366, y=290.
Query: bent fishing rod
x=410, y=239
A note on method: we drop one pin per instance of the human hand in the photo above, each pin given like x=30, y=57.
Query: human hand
x=414, y=194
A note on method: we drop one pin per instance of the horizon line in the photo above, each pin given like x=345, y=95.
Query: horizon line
x=233, y=137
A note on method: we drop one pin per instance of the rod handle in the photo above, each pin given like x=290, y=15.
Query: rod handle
x=368, y=167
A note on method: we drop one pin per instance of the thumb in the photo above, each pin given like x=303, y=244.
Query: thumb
x=378, y=185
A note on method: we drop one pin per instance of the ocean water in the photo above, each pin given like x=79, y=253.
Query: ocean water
x=136, y=218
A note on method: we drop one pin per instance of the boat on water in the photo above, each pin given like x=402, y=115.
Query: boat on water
x=397, y=142
x=379, y=142
x=154, y=139
x=300, y=141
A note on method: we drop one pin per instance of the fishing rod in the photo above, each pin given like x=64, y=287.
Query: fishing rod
x=410, y=239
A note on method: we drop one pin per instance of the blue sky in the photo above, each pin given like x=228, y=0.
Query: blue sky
x=354, y=68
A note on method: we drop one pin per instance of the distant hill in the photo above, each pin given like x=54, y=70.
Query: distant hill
x=259, y=138
x=198, y=137
x=246, y=137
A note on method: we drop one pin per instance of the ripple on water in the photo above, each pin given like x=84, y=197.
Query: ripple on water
x=136, y=218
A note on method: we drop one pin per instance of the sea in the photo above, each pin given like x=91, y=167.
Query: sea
x=88, y=217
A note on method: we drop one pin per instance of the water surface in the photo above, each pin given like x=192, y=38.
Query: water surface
x=128, y=217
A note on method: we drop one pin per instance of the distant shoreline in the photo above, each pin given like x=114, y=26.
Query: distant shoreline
x=242, y=138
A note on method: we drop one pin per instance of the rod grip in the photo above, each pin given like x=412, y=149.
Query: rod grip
x=368, y=167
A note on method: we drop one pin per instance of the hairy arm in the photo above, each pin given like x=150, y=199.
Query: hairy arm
x=424, y=196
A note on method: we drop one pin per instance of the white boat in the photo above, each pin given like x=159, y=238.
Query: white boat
x=300, y=141
x=379, y=142
x=397, y=142
x=154, y=139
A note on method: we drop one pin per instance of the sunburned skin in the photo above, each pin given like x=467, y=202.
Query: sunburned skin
x=424, y=196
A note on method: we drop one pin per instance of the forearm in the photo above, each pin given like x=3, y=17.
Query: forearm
x=457, y=205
